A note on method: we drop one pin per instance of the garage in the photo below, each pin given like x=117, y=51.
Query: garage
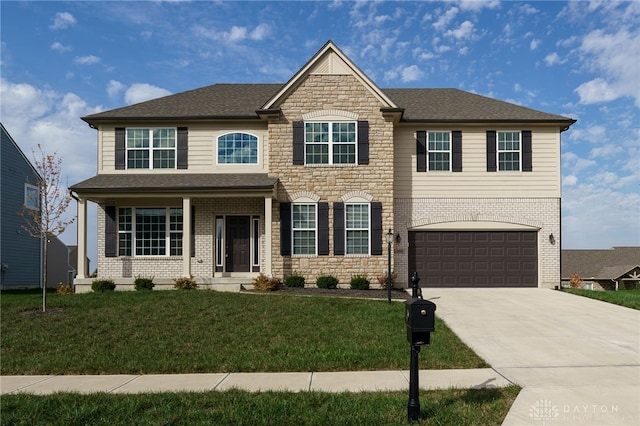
x=474, y=258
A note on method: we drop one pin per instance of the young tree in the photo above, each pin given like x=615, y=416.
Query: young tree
x=48, y=221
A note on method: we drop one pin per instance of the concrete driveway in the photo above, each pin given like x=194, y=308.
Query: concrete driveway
x=577, y=359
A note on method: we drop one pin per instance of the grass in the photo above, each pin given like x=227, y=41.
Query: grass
x=626, y=298
x=207, y=331
x=451, y=407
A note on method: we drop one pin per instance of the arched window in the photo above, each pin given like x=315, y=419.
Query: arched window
x=237, y=148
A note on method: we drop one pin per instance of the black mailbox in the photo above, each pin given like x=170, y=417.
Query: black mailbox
x=421, y=321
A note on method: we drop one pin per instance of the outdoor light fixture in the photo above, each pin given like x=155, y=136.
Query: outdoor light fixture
x=389, y=238
x=397, y=238
x=552, y=239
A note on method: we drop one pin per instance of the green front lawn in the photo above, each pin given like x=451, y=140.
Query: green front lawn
x=207, y=331
x=482, y=407
x=627, y=298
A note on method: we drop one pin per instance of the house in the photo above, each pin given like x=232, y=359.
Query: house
x=20, y=253
x=232, y=180
x=611, y=269
x=59, y=268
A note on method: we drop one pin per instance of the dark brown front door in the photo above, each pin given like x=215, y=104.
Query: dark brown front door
x=474, y=258
x=238, y=244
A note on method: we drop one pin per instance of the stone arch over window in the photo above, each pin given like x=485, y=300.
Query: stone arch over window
x=330, y=115
x=304, y=197
x=357, y=196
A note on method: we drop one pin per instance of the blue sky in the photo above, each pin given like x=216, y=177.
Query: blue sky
x=64, y=60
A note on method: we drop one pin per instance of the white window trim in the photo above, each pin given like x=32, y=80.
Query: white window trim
x=237, y=164
x=167, y=237
x=294, y=229
x=449, y=151
x=151, y=149
x=331, y=143
x=27, y=198
x=347, y=229
x=499, y=151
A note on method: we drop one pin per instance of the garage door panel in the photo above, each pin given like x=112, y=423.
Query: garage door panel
x=474, y=258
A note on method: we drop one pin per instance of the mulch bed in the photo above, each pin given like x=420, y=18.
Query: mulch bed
x=342, y=292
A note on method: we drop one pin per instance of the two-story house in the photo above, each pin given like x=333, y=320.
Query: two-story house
x=309, y=176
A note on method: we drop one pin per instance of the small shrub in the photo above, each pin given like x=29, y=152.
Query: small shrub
x=576, y=281
x=185, y=283
x=64, y=289
x=102, y=286
x=327, y=281
x=294, y=280
x=382, y=279
x=359, y=282
x=264, y=283
x=143, y=283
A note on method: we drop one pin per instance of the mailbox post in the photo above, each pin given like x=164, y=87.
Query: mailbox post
x=420, y=320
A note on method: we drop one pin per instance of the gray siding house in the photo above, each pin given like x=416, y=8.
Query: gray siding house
x=20, y=253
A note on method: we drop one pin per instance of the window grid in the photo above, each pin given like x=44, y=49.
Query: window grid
x=508, y=151
x=304, y=228
x=357, y=228
x=152, y=235
x=439, y=151
x=125, y=226
x=330, y=142
x=160, y=154
x=238, y=148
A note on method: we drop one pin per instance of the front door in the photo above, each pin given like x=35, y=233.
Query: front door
x=238, y=244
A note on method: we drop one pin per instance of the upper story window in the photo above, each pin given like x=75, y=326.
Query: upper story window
x=330, y=142
x=508, y=151
x=439, y=151
x=237, y=148
x=151, y=148
x=31, y=196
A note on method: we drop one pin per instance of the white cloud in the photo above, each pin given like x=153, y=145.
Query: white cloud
x=534, y=44
x=464, y=31
x=59, y=47
x=445, y=19
x=86, y=60
x=569, y=180
x=476, y=5
x=114, y=88
x=62, y=20
x=235, y=34
x=260, y=32
x=607, y=150
x=411, y=73
x=552, y=59
x=140, y=92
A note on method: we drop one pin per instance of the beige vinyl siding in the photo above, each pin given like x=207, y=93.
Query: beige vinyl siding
x=203, y=138
x=474, y=181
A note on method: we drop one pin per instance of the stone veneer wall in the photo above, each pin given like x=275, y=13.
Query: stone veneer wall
x=330, y=183
x=543, y=213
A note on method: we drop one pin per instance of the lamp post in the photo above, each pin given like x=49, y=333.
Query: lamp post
x=389, y=238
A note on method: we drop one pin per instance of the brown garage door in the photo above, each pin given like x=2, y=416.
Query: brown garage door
x=474, y=258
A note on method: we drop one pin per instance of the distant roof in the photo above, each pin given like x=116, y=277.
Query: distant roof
x=600, y=264
x=241, y=101
x=184, y=182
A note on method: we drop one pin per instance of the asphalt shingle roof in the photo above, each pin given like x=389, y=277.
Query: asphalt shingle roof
x=599, y=264
x=228, y=101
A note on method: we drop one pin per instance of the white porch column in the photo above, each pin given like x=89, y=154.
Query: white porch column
x=82, y=238
x=186, y=236
x=267, y=236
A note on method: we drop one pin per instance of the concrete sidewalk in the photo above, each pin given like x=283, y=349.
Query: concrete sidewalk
x=350, y=381
x=577, y=359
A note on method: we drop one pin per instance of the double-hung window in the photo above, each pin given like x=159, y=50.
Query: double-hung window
x=151, y=148
x=304, y=229
x=439, y=151
x=330, y=142
x=357, y=228
x=237, y=148
x=150, y=231
x=508, y=151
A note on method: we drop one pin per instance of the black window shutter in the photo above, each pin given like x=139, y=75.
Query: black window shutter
x=456, y=151
x=421, y=150
x=183, y=147
x=121, y=151
x=491, y=151
x=376, y=229
x=363, y=142
x=110, y=232
x=285, y=229
x=527, y=158
x=298, y=142
x=193, y=231
x=338, y=229
x=323, y=229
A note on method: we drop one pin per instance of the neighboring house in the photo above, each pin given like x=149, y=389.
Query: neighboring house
x=59, y=268
x=20, y=253
x=231, y=180
x=611, y=269
x=73, y=262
